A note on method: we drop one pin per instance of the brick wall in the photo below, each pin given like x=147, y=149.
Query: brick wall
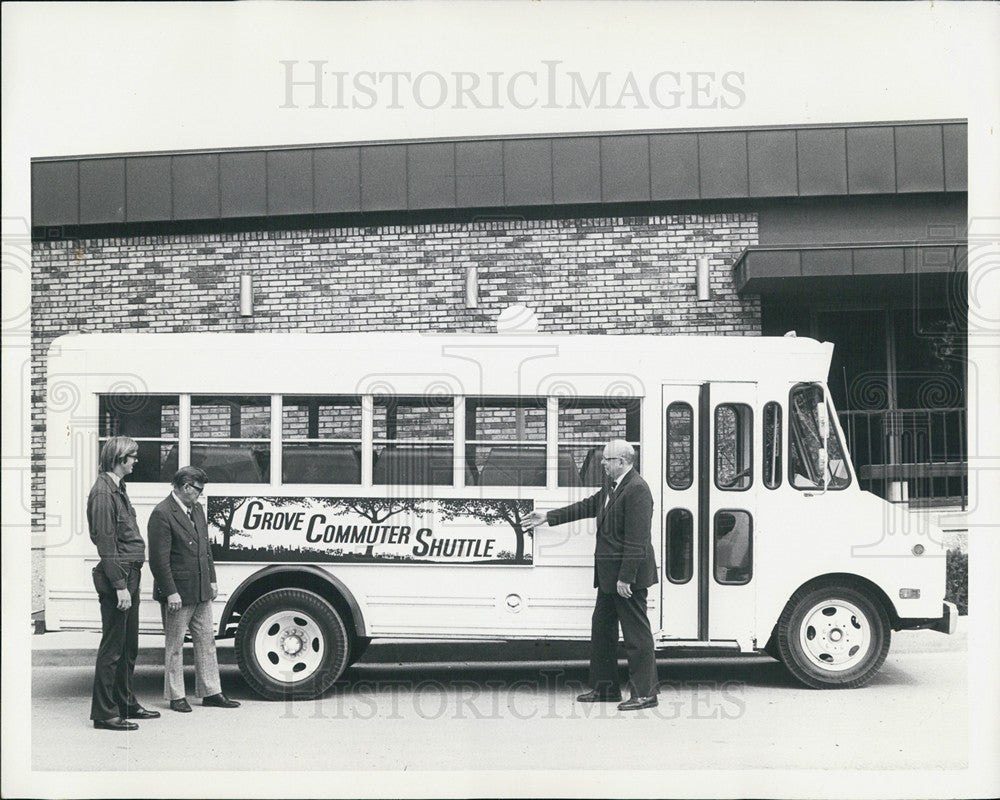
x=599, y=275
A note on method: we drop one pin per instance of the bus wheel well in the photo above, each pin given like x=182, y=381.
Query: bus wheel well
x=295, y=579
x=859, y=583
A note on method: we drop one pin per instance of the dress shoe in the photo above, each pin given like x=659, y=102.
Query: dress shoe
x=138, y=712
x=595, y=696
x=115, y=724
x=180, y=705
x=638, y=703
x=219, y=701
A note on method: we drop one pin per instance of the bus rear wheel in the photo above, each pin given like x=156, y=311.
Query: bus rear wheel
x=833, y=636
x=291, y=644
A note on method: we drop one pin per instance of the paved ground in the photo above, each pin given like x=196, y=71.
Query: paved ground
x=736, y=713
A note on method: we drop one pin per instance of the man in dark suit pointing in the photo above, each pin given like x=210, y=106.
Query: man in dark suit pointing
x=180, y=557
x=624, y=568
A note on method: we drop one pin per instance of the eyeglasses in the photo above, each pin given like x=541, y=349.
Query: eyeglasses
x=198, y=489
x=132, y=455
x=612, y=458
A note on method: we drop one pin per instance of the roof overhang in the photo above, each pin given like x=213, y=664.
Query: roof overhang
x=802, y=269
x=548, y=174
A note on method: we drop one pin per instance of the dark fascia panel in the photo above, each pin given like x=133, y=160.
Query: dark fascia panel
x=576, y=170
x=195, y=186
x=771, y=164
x=956, y=157
x=624, y=169
x=673, y=166
x=919, y=158
x=479, y=174
x=723, y=164
x=769, y=269
x=383, y=177
x=55, y=193
x=871, y=166
x=336, y=180
x=290, y=182
x=431, y=175
x=148, y=189
x=102, y=191
x=243, y=184
x=658, y=166
x=527, y=169
x=822, y=162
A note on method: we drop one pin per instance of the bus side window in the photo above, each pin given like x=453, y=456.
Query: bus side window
x=585, y=425
x=231, y=437
x=153, y=421
x=771, y=468
x=804, y=442
x=505, y=440
x=733, y=547
x=679, y=561
x=321, y=439
x=680, y=446
x=413, y=441
x=733, y=446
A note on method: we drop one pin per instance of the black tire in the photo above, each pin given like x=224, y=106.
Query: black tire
x=291, y=644
x=833, y=636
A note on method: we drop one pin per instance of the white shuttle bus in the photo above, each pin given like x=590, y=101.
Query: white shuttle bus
x=366, y=486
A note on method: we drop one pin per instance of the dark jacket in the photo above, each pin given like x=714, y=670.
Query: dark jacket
x=180, y=555
x=624, y=549
x=113, y=529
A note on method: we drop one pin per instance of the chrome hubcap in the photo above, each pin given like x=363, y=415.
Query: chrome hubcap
x=289, y=646
x=835, y=635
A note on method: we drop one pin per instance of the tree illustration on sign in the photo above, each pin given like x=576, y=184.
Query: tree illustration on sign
x=222, y=512
x=492, y=512
x=376, y=509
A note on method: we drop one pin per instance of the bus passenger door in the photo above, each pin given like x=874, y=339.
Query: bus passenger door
x=726, y=529
x=708, y=508
x=679, y=489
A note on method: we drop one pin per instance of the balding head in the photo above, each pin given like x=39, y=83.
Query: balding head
x=619, y=455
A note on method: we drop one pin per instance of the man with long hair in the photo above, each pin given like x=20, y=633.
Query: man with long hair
x=113, y=528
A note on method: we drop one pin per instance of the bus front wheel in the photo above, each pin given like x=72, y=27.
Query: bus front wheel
x=833, y=636
x=291, y=644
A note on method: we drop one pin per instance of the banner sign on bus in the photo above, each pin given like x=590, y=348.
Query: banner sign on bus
x=370, y=530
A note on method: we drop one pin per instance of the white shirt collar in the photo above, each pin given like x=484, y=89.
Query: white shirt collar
x=116, y=478
x=180, y=502
x=621, y=478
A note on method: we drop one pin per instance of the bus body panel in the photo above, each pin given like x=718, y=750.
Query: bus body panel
x=796, y=537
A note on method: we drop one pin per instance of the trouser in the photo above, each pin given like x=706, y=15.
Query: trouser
x=198, y=619
x=610, y=610
x=113, y=695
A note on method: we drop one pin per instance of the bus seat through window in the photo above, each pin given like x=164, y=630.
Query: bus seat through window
x=568, y=475
x=227, y=463
x=732, y=547
x=414, y=466
x=334, y=463
x=169, y=466
x=591, y=474
x=514, y=466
